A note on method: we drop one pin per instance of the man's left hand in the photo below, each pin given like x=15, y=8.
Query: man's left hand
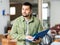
x=37, y=41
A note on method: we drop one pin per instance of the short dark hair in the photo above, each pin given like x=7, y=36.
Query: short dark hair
x=27, y=4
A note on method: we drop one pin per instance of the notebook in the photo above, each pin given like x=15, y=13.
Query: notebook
x=38, y=35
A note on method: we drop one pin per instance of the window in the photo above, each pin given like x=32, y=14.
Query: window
x=12, y=10
x=45, y=15
x=44, y=11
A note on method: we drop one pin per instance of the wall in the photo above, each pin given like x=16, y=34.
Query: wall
x=21, y=1
x=54, y=12
x=18, y=11
x=4, y=19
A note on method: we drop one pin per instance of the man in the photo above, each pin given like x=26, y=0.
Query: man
x=26, y=26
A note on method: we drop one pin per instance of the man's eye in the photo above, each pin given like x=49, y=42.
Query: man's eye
x=26, y=9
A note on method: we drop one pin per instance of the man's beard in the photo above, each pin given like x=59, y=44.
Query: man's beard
x=25, y=15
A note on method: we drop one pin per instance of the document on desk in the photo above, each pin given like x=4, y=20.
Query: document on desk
x=38, y=35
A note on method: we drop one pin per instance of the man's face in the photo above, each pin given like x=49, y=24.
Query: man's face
x=26, y=11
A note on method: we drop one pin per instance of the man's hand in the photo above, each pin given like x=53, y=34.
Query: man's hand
x=37, y=41
x=29, y=37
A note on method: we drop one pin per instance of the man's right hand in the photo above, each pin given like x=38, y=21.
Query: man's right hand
x=29, y=37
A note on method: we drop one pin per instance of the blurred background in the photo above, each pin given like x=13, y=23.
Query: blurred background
x=48, y=11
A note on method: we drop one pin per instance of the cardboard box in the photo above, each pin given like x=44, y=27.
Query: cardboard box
x=1, y=36
x=6, y=41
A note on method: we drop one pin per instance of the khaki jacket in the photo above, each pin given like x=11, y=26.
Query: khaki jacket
x=18, y=30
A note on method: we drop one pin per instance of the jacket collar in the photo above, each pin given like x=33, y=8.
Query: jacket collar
x=31, y=20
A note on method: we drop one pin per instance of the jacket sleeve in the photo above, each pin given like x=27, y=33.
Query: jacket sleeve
x=14, y=34
x=40, y=28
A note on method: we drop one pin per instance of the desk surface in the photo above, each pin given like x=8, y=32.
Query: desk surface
x=55, y=43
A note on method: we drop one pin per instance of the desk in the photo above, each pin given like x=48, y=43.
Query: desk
x=8, y=42
x=56, y=42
